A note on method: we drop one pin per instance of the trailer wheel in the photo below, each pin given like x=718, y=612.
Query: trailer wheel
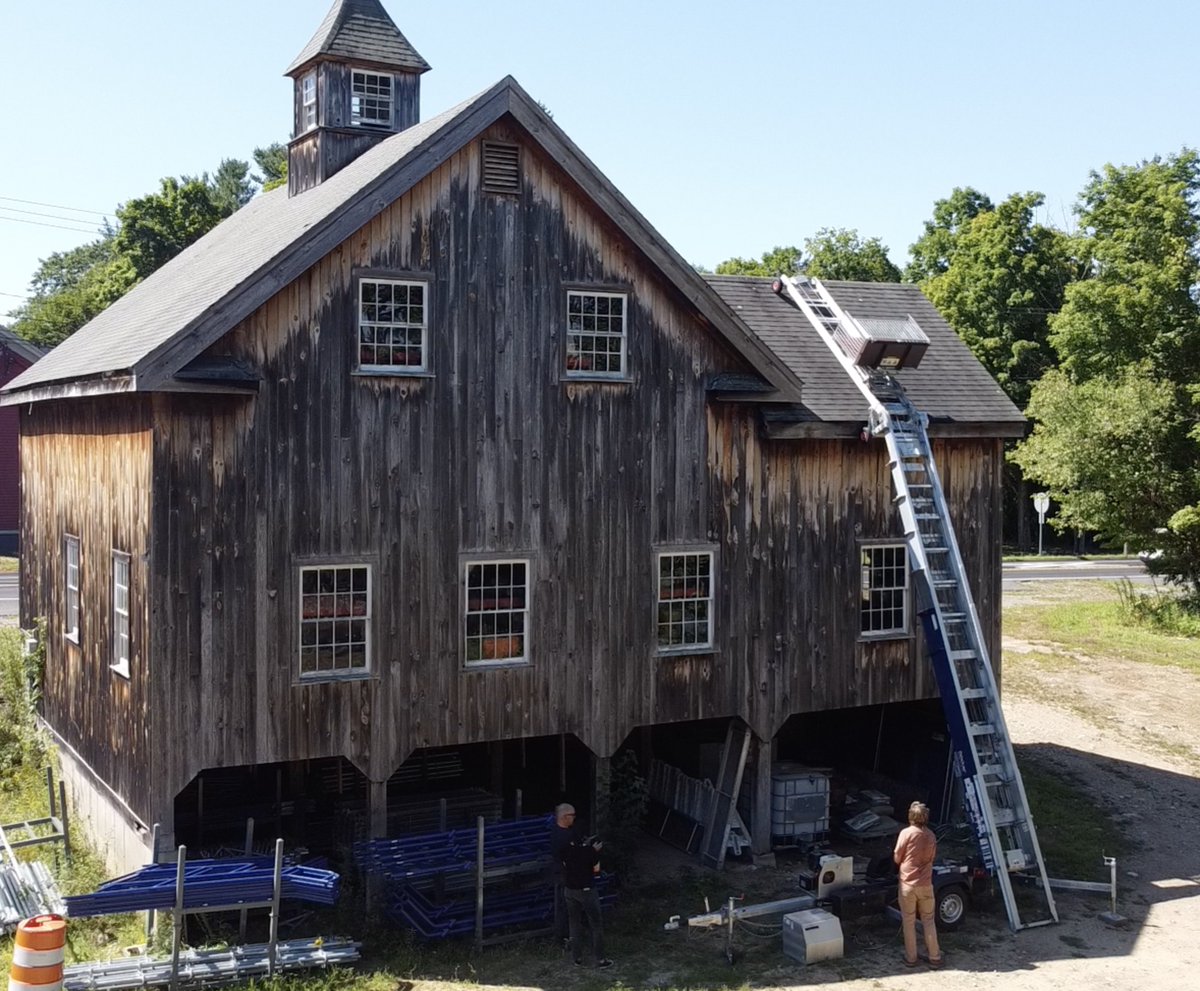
x=951, y=907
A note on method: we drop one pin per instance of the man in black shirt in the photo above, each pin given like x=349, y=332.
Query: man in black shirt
x=578, y=858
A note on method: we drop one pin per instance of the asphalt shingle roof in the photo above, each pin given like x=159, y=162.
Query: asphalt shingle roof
x=182, y=291
x=19, y=346
x=949, y=385
x=360, y=30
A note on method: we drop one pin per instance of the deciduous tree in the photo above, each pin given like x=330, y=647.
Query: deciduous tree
x=837, y=253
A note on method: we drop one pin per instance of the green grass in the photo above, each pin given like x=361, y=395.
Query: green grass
x=1074, y=831
x=1100, y=628
x=8, y=565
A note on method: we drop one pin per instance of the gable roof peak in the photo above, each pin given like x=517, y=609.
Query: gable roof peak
x=359, y=30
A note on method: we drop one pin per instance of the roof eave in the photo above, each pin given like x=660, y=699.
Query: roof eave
x=107, y=385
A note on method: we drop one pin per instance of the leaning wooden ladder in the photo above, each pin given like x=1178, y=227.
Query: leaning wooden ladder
x=983, y=755
x=723, y=808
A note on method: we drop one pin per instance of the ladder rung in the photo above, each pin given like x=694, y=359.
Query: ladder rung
x=1005, y=817
x=998, y=770
x=974, y=693
x=963, y=655
x=981, y=729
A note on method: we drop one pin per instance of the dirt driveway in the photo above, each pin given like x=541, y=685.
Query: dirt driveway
x=1130, y=736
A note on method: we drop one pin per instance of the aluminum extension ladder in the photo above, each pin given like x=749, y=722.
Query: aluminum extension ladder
x=984, y=760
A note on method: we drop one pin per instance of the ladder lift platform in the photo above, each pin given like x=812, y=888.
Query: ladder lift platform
x=870, y=351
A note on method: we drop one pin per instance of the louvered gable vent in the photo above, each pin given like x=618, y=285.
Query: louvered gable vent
x=501, y=167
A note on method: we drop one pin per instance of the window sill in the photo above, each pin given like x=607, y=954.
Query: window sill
x=688, y=650
x=120, y=669
x=595, y=378
x=885, y=636
x=505, y=662
x=399, y=373
x=72, y=638
x=332, y=677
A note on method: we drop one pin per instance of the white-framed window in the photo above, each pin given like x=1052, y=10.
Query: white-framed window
x=496, y=612
x=370, y=99
x=120, y=613
x=71, y=588
x=392, y=320
x=685, y=600
x=596, y=338
x=335, y=620
x=308, y=101
x=884, y=589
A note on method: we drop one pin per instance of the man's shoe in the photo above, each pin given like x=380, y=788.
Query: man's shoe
x=601, y=964
x=938, y=963
x=910, y=963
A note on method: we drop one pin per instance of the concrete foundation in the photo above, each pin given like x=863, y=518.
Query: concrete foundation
x=120, y=839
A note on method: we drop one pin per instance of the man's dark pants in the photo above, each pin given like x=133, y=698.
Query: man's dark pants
x=584, y=902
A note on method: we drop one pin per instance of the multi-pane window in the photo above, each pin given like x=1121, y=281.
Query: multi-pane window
x=371, y=99
x=497, y=612
x=884, y=589
x=335, y=620
x=308, y=102
x=596, y=333
x=685, y=600
x=391, y=325
x=120, y=613
x=71, y=590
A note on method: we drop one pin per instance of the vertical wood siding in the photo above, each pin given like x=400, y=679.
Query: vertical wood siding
x=86, y=470
x=495, y=453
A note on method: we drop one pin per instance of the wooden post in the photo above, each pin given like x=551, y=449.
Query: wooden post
x=64, y=818
x=249, y=850
x=154, y=860
x=50, y=791
x=479, y=828
x=601, y=792
x=760, y=802
x=275, y=895
x=378, y=828
x=180, y=861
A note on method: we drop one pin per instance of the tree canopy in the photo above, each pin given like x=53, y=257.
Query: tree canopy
x=69, y=288
x=837, y=253
x=933, y=250
x=999, y=283
x=1115, y=436
x=777, y=261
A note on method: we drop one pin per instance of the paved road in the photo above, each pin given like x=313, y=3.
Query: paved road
x=8, y=595
x=1072, y=569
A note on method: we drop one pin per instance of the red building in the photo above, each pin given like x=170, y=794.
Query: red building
x=15, y=356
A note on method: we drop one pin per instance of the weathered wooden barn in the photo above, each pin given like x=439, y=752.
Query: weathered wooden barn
x=441, y=468
x=16, y=355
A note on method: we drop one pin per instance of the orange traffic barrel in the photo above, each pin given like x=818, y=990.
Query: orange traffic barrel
x=37, y=961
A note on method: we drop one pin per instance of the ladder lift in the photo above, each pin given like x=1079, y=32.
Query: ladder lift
x=984, y=760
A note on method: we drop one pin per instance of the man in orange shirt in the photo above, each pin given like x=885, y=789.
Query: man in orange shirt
x=916, y=847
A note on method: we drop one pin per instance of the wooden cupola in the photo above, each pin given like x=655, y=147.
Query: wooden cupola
x=357, y=82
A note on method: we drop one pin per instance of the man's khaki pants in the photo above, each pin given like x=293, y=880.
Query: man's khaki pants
x=914, y=899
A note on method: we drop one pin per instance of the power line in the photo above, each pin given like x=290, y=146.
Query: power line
x=36, y=213
x=56, y=206
x=14, y=295
x=61, y=227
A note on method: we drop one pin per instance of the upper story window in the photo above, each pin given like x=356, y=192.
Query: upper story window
x=71, y=589
x=370, y=99
x=391, y=325
x=308, y=102
x=335, y=621
x=596, y=333
x=120, y=613
x=884, y=607
x=497, y=612
x=685, y=600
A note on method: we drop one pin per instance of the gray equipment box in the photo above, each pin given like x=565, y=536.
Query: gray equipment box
x=812, y=935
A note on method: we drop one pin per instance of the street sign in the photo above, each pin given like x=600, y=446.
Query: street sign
x=1041, y=502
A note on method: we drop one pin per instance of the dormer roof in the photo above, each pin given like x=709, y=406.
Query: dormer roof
x=359, y=31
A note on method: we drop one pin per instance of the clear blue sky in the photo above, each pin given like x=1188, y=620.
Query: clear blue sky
x=733, y=127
